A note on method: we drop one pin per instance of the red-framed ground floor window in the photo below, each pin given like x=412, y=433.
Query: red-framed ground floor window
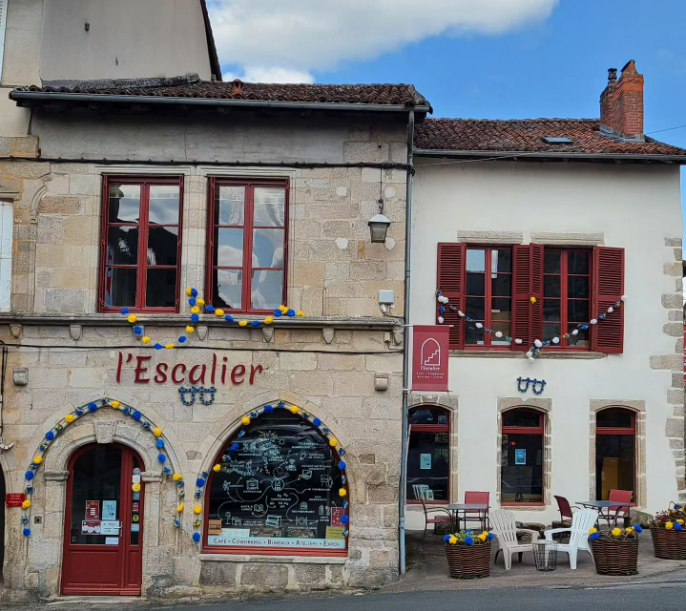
x=428, y=459
x=521, y=476
x=615, y=451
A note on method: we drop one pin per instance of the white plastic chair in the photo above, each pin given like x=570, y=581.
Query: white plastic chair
x=503, y=525
x=582, y=522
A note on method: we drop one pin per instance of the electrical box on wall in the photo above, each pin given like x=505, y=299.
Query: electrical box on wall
x=386, y=297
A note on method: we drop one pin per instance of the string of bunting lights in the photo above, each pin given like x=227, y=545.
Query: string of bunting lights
x=538, y=345
x=201, y=481
x=198, y=307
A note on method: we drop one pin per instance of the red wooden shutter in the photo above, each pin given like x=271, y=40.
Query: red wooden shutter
x=451, y=283
x=608, y=288
x=527, y=281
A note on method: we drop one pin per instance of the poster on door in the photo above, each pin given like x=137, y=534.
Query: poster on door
x=92, y=510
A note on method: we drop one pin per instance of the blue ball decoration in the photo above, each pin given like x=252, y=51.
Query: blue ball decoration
x=137, y=415
x=342, y=466
x=124, y=311
x=290, y=313
x=93, y=407
x=138, y=330
x=160, y=443
x=277, y=312
x=29, y=475
x=191, y=301
x=345, y=519
x=200, y=482
x=167, y=470
x=255, y=323
x=195, y=317
x=317, y=422
x=50, y=435
x=196, y=537
x=268, y=409
x=161, y=458
x=158, y=346
x=182, y=339
x=234, y=447
x=27, y=532
x=194, y=292
x=209, y=308
x=228, y=318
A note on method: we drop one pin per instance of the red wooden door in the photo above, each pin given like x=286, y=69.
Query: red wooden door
x=103, y=529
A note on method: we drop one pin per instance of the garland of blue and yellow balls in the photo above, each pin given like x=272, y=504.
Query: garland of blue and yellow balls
x=197, y=306
x=201, y=481
x=54, y=432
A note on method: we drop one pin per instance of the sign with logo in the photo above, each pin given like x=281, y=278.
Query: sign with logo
x=430, y=351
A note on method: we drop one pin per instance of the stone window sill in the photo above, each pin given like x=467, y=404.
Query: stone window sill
x=273, y=559
x=511, y=354
x=525, y=507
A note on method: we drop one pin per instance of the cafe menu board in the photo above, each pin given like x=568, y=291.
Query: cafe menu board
x=279, y=489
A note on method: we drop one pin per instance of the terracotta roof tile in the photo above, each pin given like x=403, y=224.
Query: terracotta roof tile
x=528, y=136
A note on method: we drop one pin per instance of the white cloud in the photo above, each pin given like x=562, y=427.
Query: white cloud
x=286, y=40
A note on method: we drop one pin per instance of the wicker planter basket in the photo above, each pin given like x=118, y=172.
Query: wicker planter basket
x=469, y=561
x=669, y=544
x=615, y=557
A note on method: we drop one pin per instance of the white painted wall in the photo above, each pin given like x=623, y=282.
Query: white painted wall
x=6, y=226
x=635, y=207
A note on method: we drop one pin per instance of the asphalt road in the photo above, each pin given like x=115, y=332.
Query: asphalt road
x=665, y=596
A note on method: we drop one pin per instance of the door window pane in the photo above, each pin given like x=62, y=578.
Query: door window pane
x=228, y=288
x=229, y=247
x=550, y=330
x=522, y=468
x=551, y=262
x=270, y=204
x=476, y=260
x=163, y=245
x=267, y=248
x=501, y=285
x=475, y=308
x=504, y=328
x=577, y=287
x=120, y=287
x=122, y=245
x=231, y=208
x=551, y=309
x=522, y=418
x=551, y=286
x=428, y=465
x=501, y=260
x=615, y=464
x=577, y=311
x=581, y=339
x=160, y=291
x=164, y=205
x=473, y=335
x=476, y=284
x=124, y=204
x=578, y=262
x=267, y=289
x=500, y=309
x=614, y=418
x=428, y=415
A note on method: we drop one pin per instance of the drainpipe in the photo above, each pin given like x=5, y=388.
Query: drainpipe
x=406, y=352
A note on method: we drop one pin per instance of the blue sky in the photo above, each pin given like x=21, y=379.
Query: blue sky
x=548, y=60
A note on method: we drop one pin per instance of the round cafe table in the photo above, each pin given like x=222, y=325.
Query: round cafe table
x=605, y=508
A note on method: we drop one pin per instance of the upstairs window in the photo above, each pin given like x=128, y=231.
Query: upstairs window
x=247, y=241
x=532, y=292
x=141, y=244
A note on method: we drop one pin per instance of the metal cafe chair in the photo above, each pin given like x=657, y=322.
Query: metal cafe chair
x=431, y=513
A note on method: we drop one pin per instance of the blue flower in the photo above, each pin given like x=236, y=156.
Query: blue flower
x=489, y=536
x=195, y=317
x=137, y=415
x=200, y=482
x=446, y=538
x=277, y=312
x=290, y=313
x=345, y=519
x=678, y=526
x=228, y=318
x=268, y=409
x=317, y=422
x=196, y=537
x=50, y=435
x=595, y=535
x=182, y=339
x=92, y=406
x=27, y=532
x=441, y=309
x=29, y=475
x=138, y=330
x=638, y=528
x=342, y=466
x=209, y=308
x=161, y=458
x=194, y=292
x=158, y=346
x=191, y=302
x=255, y=323
x=469, y=540
x=124, y=311
x=160, y=443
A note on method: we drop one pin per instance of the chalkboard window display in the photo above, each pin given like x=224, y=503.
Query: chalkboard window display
x=280, y=488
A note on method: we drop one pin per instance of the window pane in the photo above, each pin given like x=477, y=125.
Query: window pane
x=160, y=289
x=267, y=248
x=428, y=415
x=120, y=287
x=522, y=468
x=550, y=330
x=501, y=284
x=473, y=335
x=551, y=262
x=475, y=308
x=504, y=328
x=614, y=418
x=228, y=288
x=279, y=489
x=577, y=286
x=501, y=260
x=125, y=202
x=122, y=245
x=577, y=310
x=551, y=309
x=231, y=206
x=551, y=286
x=475, y=284
x=164, y=205
x=162, y=245
x=476, y=260
x=267, y=289
x=522, y=417
x=501, y=309
x=615, y=464
x=428, y=462
x=270, y=204
x=581, y=339
x=229, y=247
x=578, y=262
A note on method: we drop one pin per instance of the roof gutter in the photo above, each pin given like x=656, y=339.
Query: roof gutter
x=495, y=155
x=44, y=96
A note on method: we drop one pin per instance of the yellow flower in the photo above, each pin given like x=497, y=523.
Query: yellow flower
x=294, y=409
x=200, y=302
x=592, y=531
x=176, y=477
x=69, y=418
x=342, y=492
x=242, y=323
x=157, y=432
x=190, y=329
x=269, y=320
x=195, y=310
x=532, y=299
x=452, y=540
x=197, y=509
x=132, y=318
x=216, y=468
x=680, y=522
x=333, y=442
x=219, y=312
x=169, y=346
x=481, y=537
x=283, y=308
x=145, y=339
x=629, y=530
x=245, y=420
x=115, y=404
x=616, y=532
x=189, y=291
x=669, y=525
x=300, y=313
x=179, y=509
x=26, y=504
x=136, y=487
x=38, y=460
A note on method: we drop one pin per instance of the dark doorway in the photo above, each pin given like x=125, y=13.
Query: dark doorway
x=615, y=452
x=2, y=523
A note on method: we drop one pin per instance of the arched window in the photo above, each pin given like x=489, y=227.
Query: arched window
x=521, y=478
x=615, y=451
x=428, y=459
x=279, y=490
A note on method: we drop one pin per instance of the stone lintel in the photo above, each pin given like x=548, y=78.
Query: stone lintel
x=568, y=239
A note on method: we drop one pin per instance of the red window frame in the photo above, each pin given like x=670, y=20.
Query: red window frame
x=527, y=430
x=564, y=299
x=248, y=226
x=624, y=431
x=143, y=225
x=432, y=428
x=488, y=297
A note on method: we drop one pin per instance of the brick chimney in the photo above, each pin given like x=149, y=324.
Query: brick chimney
x=621, y=104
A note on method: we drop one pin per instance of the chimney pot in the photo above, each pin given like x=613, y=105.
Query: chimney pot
x=621, y=103
x=611, y=76
x=237, y=87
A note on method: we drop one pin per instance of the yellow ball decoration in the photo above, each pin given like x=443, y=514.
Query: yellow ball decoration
x=300, y=313
x=294, y=409
x=26, y=504
x=200, y=302
x=616, y=532
x=145, y=339
x=283, y=308
x=69, y=418
x=245, y=420
x=269, y=320
x=115, y=404
x=157, y=432
x=532, y=299
x=176, y=477
x=452, y=540
x=38, y=460
x=190, y=329
x=342, y=492
x=242, y=323
x=195, y=310
x=219, y=312
x=197, y=509
x=132, y=318
x=136, y=487
x=179, y=509
x=592, y=531
x=189, y=291
x=169, y=346
x=216, y=468
x=333, y=442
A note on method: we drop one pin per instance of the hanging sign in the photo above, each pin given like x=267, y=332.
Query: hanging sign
x=430, y=351
x=14, y=500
